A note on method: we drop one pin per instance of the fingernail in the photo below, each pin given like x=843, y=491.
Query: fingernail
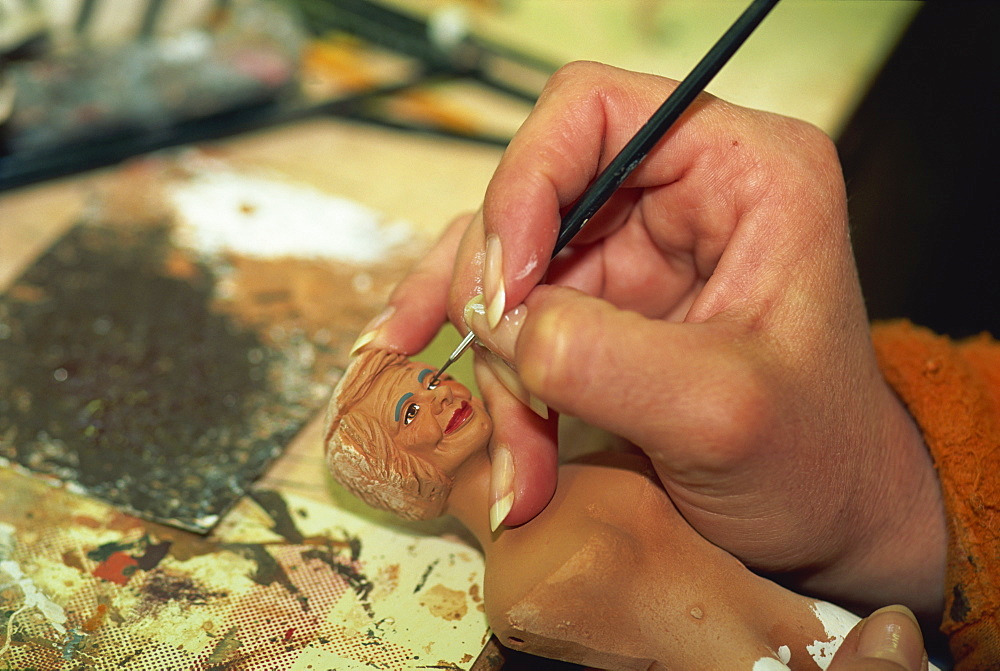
x=502, y=339
x=496, y=295
x=538, y=406
x=371, y=330
x=475, y=313
x=892, y=633
x=501, y=486
x=508, y=377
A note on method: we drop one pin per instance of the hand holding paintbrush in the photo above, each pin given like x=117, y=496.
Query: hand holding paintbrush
x=710, y=314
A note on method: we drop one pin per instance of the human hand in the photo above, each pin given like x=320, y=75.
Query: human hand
x=709, y=313
x=887, y=640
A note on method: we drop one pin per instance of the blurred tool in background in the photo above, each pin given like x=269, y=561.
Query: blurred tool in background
x=101, y=80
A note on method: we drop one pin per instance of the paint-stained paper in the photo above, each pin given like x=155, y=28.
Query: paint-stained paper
x=286, y=584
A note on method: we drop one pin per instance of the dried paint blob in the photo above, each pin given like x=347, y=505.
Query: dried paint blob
x=224, y=211
x=446, y=603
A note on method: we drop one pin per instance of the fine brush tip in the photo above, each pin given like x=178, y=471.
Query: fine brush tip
x=462, y=346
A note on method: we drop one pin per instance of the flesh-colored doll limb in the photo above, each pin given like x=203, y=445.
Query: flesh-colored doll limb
x=611, y=577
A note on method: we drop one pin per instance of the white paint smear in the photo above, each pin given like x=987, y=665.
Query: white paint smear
x=784, y=654
x=225, y=211
x=769, y=664
x=838, y=623
x=11, y=575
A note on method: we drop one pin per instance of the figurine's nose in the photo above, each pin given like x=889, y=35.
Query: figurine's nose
x=444, y=392
x=440, y=394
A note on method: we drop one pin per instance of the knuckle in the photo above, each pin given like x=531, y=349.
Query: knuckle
x=735, y=420
x=574, y=72
x=814, y=147
x=558, y=335
x=542, y=350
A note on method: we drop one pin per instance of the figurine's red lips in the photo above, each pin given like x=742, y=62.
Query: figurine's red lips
x=460, y=417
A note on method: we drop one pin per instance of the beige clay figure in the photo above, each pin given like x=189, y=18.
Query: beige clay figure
x=609, y=575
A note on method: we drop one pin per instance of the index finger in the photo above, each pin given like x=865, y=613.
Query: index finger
x=585, y=115
x=417, y=308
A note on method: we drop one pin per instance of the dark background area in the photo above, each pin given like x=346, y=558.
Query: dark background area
x=919, y=158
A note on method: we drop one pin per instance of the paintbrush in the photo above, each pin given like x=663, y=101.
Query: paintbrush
x=633, y=153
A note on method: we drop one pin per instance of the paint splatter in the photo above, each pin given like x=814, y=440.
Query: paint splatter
x=476, y=597
x=120, y=560
x=72, y=645
x=277, y=509
x=163, y=586
x=72, y=559
x=118, y=568
x=11, y=575
x=177, y=613
x=229, y=644
x=356, y=580
x=95, y=621
x=268, y=570
x=102, y=552
x=153, y=555
x=427, y=574
x=448, y=604
x=388, y=579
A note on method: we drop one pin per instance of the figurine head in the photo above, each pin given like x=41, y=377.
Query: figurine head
x=396, y=443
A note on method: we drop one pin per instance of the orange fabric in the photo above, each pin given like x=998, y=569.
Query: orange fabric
x=952, y=389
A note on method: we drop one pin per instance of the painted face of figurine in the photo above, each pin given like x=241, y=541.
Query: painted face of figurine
x=443, y=425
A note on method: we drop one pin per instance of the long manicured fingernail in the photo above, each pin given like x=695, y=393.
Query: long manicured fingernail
x=475, y=312
x=370, y=330
x=493, y=288
x=892, y=633
x=508, y=377
x=502, y=339
x=501, y=486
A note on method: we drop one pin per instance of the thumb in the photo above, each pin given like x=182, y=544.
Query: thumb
x=678, y=389
x=523, y=454
x=887, y=640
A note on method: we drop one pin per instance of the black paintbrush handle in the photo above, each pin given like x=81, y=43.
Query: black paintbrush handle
x=653, y=130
